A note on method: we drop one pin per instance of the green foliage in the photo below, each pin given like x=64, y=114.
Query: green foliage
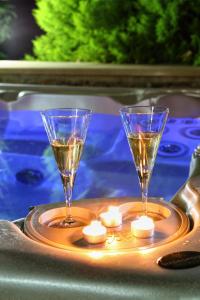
x=6, y=16
x=117, y=31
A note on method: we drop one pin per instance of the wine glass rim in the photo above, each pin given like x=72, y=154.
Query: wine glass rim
x=66, y=109
x=157, y=108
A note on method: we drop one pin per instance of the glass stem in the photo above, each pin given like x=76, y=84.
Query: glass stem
x=144, y=188
x=68, y=186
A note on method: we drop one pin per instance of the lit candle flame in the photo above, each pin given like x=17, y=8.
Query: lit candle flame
x=95, y=232
x=144, y=222
x=95, y=228
x=143, y=227
x=111, y=218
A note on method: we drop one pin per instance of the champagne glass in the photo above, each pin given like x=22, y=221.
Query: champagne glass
x=66, y=130
x=144, y=126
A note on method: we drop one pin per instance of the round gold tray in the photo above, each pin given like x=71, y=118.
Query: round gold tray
x=170, y=224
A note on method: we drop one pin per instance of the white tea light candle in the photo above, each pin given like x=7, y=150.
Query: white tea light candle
x=95, y=233
x=111, y=218
x=143, y=227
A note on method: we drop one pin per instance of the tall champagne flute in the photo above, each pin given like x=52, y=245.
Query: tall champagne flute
x=66, y=130
x=144, y=126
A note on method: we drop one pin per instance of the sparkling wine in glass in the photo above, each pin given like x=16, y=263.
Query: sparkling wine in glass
x=66, y=130
x=144, y=126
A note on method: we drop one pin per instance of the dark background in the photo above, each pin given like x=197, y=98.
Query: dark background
x=23, y=30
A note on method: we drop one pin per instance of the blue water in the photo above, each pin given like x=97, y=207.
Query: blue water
x=29, y=175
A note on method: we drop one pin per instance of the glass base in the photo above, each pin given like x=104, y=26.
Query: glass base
x=69, y=222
